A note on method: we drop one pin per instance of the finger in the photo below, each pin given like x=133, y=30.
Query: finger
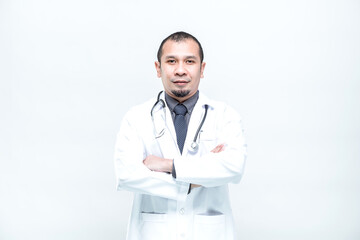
x=222, y=148
x=218, y=148
x=215, y=150
x=195, y=186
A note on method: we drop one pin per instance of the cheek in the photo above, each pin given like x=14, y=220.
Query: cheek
x=196, y=71
x=164, y=74
x=196, y=74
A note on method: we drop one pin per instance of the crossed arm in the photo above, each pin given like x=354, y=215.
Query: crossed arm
x=159, y=164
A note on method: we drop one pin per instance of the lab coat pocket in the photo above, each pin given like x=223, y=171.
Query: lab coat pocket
x=207, y=141
x=209, y=227
x=154, y=226
x=207, y=136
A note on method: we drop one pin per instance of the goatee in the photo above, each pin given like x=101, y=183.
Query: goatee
x=180, y=93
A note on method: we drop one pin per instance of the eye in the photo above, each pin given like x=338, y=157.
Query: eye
x=170, y=61
x=190, y=61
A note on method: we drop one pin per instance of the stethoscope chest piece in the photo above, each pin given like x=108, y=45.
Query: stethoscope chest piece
x=194, y=146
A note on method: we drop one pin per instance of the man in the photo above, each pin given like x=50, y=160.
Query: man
x=178, y=152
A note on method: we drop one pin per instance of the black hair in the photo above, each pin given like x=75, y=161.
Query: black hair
x=178, y=37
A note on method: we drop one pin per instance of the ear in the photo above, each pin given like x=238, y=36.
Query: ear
x=202, y=69
x=158, y=68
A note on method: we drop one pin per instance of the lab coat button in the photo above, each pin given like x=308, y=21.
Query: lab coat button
x=182, y=211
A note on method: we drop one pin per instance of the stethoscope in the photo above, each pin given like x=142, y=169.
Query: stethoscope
x=194, y=146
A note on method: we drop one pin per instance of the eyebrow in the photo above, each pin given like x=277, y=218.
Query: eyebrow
x=186, y=57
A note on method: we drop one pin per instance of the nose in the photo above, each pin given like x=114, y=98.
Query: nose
x=180, y=70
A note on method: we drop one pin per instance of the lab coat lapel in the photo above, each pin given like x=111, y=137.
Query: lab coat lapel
x=195, y=120
x=168, y=142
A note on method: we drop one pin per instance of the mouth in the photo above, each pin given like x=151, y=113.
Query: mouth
x=180, y=82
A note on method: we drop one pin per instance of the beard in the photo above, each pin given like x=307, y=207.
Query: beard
x=180, y=93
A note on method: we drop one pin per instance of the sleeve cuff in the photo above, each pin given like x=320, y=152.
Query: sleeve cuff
x=173, y=171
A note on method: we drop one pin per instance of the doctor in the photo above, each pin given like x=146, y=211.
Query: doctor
x=178, y=152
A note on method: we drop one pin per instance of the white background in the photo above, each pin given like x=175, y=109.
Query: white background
x=70, y=69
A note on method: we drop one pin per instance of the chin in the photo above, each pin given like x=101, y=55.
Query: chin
x=180, y=93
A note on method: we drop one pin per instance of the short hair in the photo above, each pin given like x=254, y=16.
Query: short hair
x=179, y=37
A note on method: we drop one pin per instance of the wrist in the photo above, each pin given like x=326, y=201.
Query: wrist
x=170, y=163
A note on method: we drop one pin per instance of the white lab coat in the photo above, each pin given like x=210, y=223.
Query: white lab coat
x=162, y=208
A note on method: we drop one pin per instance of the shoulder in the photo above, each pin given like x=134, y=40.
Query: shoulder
x=141, y=110
x=219, y=107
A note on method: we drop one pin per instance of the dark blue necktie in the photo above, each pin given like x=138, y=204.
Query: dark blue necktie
x=180, y=125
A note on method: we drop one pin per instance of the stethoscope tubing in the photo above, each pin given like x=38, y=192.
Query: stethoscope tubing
x=157, y=101
x=194, y=146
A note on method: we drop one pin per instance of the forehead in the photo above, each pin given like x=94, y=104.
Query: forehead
x=184, y=48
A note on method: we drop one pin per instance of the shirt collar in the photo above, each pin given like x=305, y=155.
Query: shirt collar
x=189, y=103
